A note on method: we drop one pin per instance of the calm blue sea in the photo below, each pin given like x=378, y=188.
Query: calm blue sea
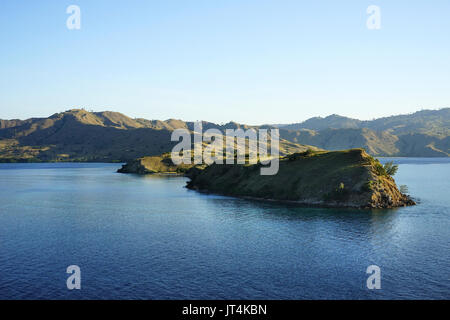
x=150, y=238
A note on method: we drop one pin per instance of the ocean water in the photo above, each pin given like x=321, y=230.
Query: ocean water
x=149, y=237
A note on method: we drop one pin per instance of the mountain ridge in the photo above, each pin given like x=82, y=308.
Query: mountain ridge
x=425, y=117
x=80, y=135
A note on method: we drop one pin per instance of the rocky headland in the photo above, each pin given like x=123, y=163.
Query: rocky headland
x=349, y=178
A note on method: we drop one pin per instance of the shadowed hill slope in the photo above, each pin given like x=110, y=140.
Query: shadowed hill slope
x=79, y=135
x=348, y=178
x=424, y=133
x=434, y=122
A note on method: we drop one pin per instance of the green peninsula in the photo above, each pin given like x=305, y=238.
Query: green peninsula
x=349, y=178
x=154, y=164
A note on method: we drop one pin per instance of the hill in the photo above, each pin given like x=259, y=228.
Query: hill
x=154, y=164
x=79, y=135
x=436, y=122
x=348, y=178
x=425, y=133
x=318, y=123
x=377, y=143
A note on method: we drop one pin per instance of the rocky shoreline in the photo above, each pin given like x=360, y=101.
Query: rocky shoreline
x=349, y=178
x=327, y=179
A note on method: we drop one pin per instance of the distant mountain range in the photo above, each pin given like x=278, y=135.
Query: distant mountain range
x=79, y=135
x=424, y=133
x=436, y=122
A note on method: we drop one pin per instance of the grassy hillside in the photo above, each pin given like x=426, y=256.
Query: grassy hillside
x=377, y=143
x=318, y=123
x=154, y=164
x=338, y=139
x=79, y=135
x=348, y=178
x=433, y=122
x=429, y=122
x=421, y=134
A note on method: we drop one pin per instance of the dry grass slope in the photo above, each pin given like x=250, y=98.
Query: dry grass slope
x=347, y=178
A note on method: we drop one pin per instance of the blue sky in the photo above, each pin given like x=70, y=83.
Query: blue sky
x=250, y=61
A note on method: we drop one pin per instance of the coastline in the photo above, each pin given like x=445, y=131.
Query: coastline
x=302, y=203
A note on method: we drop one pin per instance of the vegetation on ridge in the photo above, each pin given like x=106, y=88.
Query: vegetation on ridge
x=348, y=178
x=79, y=135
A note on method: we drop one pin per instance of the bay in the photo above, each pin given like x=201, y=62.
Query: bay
x=138, y=237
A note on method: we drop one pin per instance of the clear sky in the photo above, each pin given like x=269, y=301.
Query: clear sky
x=250, y=61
